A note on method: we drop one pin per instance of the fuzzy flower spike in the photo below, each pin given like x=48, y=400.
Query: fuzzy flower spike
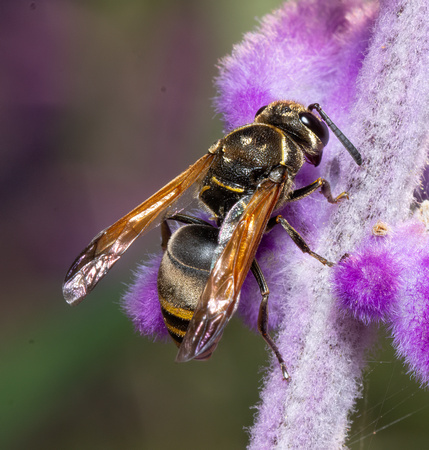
x=366, y=64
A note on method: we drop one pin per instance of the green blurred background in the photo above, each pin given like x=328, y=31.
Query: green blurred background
x=101, y=103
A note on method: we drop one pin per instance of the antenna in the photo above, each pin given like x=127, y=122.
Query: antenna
x=346, y=143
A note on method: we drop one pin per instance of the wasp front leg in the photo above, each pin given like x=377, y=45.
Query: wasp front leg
x=263, y=316
x=298, y=194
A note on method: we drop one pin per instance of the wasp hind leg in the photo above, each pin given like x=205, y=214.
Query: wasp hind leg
x=263, y=316
x=165, y=235
x=183, y=218
x=188, y=220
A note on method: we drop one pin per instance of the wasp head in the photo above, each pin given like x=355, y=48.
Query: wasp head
x=300, y=124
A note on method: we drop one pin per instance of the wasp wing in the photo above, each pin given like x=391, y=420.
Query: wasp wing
x=219, y=299
x=109, y=245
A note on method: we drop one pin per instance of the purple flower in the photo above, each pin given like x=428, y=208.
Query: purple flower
x=387, y=278
x=368, y=282
x=141, y=302
x=368, y=69
x=410, y=327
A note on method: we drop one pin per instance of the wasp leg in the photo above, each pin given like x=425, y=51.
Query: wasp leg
x=189, y=220
x=263, y=316
x=298, y=194
x=166, y=231
x=165, y=235
x=299, y=241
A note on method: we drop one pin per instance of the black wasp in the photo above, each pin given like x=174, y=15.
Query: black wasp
x=243, y=179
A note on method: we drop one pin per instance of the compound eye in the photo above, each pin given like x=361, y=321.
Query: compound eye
x=260, y=110
x=315, y=125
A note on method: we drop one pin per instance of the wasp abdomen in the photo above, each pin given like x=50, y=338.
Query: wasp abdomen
x=183, y=274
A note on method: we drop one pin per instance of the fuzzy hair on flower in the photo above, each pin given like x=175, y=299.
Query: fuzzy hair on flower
x=368, y=281
x=367, y=75
x=410, y=327
x=366, y=64
x=386, y=278
x=141, y=304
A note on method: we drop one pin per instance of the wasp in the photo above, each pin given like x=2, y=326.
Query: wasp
x=243, y=180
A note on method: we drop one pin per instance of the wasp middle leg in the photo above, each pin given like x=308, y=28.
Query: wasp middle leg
x=297, y=238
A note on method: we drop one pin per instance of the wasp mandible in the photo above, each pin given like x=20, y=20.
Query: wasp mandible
x=244, y=178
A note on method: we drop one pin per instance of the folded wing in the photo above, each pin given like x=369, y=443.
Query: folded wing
x=219, y=299
x=109, y=245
